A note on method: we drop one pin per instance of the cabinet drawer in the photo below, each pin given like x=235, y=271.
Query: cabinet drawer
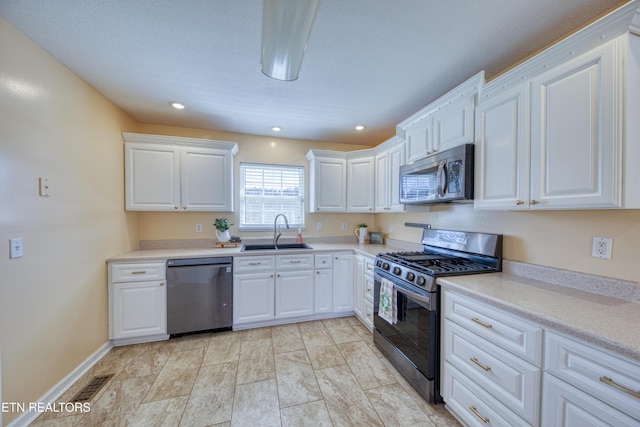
x=323, y=260
x=253, y=264
x=368, y=289
x=565, y=405
x=508, y=378
x=294, y=262
x=609, y=378
x=369, y=263
x=472, y=404
x=506, y=330
x=138, y=272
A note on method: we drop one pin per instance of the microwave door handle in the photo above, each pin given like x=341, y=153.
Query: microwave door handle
x=442, y=178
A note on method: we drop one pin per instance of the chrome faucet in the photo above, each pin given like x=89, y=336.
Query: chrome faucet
x=276, y=228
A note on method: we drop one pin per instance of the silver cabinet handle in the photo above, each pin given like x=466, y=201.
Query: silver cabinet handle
x=255, y=263
x=295, y=262
x=620, y=387
x=138, y=272
x=161, y=283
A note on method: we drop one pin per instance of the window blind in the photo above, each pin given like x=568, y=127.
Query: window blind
x=267, y=190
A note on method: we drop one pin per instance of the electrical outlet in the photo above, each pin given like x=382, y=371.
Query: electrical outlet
x=344, y=226
x=390, y=228
x=319, y=226
x=198, y=228
x=601, y=247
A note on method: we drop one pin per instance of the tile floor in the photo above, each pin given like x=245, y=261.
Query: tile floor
x=319, y=373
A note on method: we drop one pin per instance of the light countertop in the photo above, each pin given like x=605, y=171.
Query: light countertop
x=602, y=320
x=161, y=255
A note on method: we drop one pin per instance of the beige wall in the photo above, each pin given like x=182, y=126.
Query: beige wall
x=251, y=148
x=559, y=239
x=53, y=301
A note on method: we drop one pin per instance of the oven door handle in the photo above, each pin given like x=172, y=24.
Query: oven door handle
x=413, y=295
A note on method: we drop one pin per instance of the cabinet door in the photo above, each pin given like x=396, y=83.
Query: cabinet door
x=152, y=177
x=358, y=286
x=396, y=158
x=342, y=283
x=360, y=183
x=294, y=293
x=253, y=297
x=566, y=406
x=575, y=133
x=328, y=185
x=382, y=190
x=206, y=179
x=502, y=151
x=138, y=309
x=419, y=139
x=323, y=291
x=453, y=124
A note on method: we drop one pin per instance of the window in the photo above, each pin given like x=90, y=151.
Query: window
x=267, y=190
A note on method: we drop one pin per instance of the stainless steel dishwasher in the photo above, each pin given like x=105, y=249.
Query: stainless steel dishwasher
x=199, y=294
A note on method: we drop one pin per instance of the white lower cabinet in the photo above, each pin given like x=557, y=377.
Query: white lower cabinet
x=485, y=381
x=294, y=293
x=323, y=284
x=587, y=386
x=363, y=289
x=253, y=297
x=291, y=286
x=494, y=372
x=137, y=302
x=343, y=282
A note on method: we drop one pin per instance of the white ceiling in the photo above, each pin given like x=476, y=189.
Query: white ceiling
x=371, y=62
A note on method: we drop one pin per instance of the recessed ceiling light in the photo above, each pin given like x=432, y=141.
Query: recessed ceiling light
x=177, y=105
x=359, y=127
x=276, y=128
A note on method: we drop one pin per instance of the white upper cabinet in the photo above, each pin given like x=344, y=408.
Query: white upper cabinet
x=502, y=150
x=391, y=155
x=559, y=131
x=340, y=181
x=575, y=139
x=360, y=183
x=328, y=181
x=443, y=124
x=178, y=174
x=556, y=140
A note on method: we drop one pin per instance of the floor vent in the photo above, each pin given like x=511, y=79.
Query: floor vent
x=91, y=389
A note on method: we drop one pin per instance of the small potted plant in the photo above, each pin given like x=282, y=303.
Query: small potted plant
x=361, y=233
x=222, y=229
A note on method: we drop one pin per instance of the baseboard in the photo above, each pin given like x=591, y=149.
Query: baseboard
x=288, y=320
x=57, y=390
x=139, y=340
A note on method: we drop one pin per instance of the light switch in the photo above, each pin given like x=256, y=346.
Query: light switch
x=43, y=187
x=16, y=248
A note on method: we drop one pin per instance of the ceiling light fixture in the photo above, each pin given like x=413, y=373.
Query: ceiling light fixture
x=276, y=128
x=359, y=127
x=286, y=25
x=177, y=105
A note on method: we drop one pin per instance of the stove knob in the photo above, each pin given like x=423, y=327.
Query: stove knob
x=385, y=266
x=397, y=271
x=421, y=281
x=410, y=276
x=378, y=263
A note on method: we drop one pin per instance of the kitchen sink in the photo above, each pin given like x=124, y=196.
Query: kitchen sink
x=281, y=246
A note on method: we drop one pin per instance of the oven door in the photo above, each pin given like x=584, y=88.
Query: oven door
x=415, y=334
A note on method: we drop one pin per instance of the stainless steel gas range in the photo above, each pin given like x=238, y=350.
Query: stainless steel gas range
x=407, y=299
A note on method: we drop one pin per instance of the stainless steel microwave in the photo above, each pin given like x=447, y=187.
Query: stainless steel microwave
x=442, y=177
